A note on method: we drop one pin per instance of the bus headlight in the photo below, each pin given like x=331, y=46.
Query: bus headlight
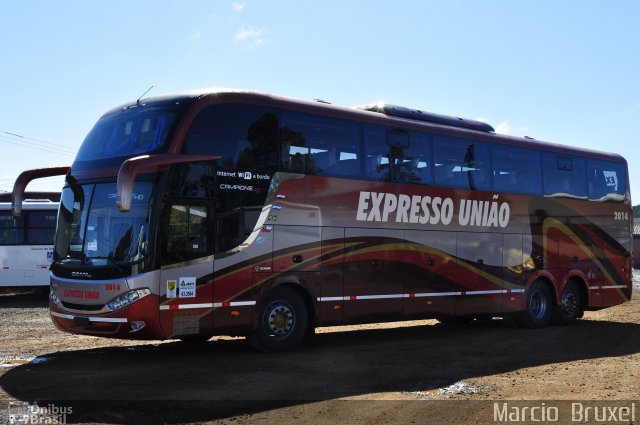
x=126, y=299
x=54, y=299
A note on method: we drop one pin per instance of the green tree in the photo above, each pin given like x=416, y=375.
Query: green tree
x=636, y=211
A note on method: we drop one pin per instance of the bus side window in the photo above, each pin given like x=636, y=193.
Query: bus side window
x=244, y=135
x=516, y=170
x=461, y=163
x=318, y=145
x=564, y=176
x=11, y=229
x=606, y=180
x=186, y=233
x=41, y=226
x=396, y=155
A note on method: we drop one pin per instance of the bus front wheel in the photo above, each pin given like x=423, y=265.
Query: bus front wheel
x=282, y=323
x=539, y=308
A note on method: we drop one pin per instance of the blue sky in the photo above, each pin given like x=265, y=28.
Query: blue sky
x=561, y=71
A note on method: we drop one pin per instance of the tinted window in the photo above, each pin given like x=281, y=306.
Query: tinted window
x=393, y=156
x=516, y=170
x=607, y=180
x=186, y=233
x=11, y=229
x=41, y=227
x=246, y=136
x=461, y=163
x=192, y=181
x=564, y=176
x=317, y=145
x=133, y=131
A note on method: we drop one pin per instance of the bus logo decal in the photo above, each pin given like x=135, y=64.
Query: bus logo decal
x=171, y=289
x=187, y=287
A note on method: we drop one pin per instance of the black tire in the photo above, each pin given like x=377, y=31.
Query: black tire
x=570, y=305
x=539, y=309
x=282, y=321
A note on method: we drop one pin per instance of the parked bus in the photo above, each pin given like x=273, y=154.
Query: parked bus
x=238, y=213
x=26, y=242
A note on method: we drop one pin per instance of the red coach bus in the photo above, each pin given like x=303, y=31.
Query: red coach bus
x=240, y=213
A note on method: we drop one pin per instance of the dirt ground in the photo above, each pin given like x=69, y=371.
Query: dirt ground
x=410, y=372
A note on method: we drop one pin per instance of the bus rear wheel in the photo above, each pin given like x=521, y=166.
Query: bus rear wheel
x=570, y=307
x=282, y=323
x=539, y=308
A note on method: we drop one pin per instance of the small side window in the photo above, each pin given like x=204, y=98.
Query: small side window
x=318, y=145
x=11, y=229
x=396, y=155
x=461, y=163
x=564, y=176
x=41, y=228
x=186, y=233
x=516, y=170
x=607, y=180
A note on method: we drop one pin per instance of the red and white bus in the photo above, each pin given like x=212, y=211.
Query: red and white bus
x=239, y=213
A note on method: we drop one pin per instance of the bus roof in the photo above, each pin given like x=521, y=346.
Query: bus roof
x=42, y=197
x=389, y=115
x=30, y=204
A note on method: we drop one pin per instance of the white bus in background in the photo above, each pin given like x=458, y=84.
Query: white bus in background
x=26, y=242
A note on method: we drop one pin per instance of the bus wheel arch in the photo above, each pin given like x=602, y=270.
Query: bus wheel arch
x=571, y=302
x=539, y=304
x=283, y=319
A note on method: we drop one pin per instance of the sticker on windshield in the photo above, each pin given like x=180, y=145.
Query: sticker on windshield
x=171, y=289
x=187, y=287
x=92, y=246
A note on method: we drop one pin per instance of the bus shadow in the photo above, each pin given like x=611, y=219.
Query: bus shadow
x=181, y=382
x=29, y=297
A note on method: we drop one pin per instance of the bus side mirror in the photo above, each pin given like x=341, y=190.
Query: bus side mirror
x=17, y=195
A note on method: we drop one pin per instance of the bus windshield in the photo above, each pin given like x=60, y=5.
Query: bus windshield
x=92, y=232
x=130, y=132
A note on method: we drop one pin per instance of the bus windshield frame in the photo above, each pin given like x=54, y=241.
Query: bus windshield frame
x=91, y=232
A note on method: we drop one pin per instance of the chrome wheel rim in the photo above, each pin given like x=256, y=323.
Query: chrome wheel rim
x=279, y=320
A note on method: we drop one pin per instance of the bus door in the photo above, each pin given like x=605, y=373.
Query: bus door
x=186, y=276
x=373, y=274
x=479, y=273
x=430, y=282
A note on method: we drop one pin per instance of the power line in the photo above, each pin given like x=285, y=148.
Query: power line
x=9, y=133
x=41, y=145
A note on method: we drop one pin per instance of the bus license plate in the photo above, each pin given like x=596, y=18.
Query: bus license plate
x=82, y=322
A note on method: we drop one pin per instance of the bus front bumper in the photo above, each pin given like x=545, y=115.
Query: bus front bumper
x=136, y=321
